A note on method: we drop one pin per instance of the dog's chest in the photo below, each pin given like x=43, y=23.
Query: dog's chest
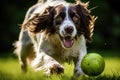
x=52, y=46
x=61, y=54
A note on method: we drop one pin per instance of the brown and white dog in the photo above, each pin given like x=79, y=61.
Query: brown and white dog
x=55, y=32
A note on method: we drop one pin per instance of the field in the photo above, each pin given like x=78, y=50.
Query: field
x=10, y=70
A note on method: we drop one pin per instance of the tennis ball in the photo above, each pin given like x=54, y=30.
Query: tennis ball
x=93, y=64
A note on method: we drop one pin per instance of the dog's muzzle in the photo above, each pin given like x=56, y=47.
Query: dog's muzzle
x=67, y=36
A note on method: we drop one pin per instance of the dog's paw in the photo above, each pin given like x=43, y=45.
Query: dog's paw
x=55, y=68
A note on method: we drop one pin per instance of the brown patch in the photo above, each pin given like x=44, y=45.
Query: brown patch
x=38, y=23
x=86, y=26
x=59, y=15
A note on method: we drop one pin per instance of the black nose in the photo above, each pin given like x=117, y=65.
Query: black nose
x=69, y=29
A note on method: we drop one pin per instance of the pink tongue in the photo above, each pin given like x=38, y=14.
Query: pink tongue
x=68, y=42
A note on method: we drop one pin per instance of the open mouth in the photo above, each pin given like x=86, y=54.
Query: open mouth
x=67, y=41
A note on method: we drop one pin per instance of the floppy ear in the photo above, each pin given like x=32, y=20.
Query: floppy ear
x=86, y=20
x=39, y=22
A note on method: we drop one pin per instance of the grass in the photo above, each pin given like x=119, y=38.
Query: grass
x=10, y=70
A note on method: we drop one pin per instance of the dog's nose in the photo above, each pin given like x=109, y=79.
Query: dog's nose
x=69, y=29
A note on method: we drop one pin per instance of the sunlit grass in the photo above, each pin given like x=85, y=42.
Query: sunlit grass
x=10, y=70
x=112, y=67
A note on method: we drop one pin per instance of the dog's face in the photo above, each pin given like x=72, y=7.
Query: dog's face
x=68, y=21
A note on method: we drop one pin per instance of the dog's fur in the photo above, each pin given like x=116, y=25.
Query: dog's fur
x=54, y=32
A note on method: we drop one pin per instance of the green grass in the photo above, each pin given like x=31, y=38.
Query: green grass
x=10, y=70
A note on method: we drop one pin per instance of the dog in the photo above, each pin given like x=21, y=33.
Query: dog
x=54, y=32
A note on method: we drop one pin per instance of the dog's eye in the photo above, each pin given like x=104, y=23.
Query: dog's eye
x=74, y=16
x=58, y=20
x=62, y=15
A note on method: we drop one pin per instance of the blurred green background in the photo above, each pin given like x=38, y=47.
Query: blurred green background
x=107, y=27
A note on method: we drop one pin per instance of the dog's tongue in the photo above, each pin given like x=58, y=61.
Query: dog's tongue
x=68, y=42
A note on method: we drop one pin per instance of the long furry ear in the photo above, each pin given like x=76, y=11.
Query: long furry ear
x=86, y=20
x=38, y=22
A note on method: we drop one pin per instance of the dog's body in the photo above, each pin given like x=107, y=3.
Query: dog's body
x=54, y=32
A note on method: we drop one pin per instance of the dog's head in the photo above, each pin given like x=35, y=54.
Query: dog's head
x=67, y=20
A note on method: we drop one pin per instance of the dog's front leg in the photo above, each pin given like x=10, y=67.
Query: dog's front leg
x=77, y=61
x=47, y=63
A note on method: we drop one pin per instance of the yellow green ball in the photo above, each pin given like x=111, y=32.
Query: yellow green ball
x=93, y=64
